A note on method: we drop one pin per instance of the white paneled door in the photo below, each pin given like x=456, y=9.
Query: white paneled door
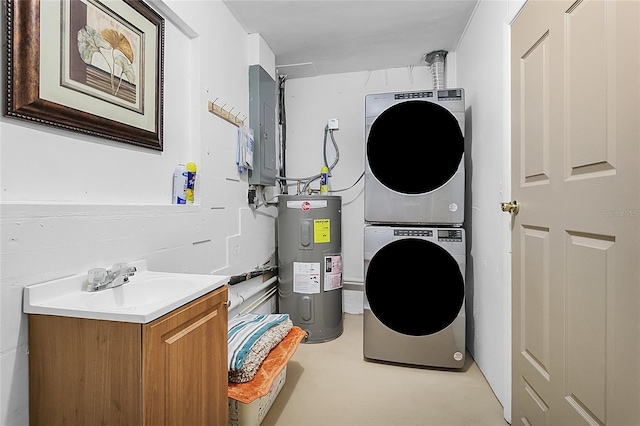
x=575, y=175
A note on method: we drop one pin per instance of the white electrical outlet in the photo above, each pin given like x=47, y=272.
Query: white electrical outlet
x=333, y=124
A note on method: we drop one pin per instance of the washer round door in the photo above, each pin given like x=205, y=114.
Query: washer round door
x=415, y=147
x=414, y=287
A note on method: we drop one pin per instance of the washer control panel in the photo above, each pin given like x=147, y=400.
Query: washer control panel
x=413, y=233
x=450, y=235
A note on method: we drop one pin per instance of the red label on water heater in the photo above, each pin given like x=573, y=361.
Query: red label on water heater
x=306, y=206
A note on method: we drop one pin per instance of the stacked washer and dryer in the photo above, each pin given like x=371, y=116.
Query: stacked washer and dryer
x=414, y=243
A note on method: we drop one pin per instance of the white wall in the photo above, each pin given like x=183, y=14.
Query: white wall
x=72, y=202
x=310, y=103
x=483, y=70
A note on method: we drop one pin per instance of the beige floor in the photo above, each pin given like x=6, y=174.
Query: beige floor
x=330, y=384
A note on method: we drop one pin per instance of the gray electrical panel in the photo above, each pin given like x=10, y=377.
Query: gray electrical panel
x=262, y=119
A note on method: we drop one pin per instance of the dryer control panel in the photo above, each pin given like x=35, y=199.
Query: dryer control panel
x=412, y=233
x=413, y=95
x=450, y=95
x=450, y=235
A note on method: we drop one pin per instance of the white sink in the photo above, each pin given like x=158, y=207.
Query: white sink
x=148, y=295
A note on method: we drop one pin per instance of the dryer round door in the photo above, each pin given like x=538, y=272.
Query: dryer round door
x=414, y=147
x=414, y=287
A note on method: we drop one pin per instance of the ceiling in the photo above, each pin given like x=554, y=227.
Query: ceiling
x=316, y=37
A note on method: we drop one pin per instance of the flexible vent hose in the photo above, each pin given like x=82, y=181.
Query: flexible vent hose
x=436, y=62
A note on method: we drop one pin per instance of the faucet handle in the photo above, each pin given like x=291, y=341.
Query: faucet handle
x=123, y=268
x=97, y=275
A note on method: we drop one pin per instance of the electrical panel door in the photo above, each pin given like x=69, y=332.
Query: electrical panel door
x=262, y=119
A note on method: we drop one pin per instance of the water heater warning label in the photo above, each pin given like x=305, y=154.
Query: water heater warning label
x=306, y=277
x=332, y=272
x=321, y=231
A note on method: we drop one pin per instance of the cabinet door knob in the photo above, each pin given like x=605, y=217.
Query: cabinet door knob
x=227, y=303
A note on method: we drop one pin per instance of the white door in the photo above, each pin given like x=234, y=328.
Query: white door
x=575, y=176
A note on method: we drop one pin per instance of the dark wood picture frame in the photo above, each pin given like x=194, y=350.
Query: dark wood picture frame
x=23, y=84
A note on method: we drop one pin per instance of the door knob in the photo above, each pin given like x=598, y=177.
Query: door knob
x=510, y=207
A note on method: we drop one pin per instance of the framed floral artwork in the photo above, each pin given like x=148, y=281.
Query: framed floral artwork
x=90, y=66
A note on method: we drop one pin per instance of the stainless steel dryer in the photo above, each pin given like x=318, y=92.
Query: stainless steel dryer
x=414, y=168
x=414, y=295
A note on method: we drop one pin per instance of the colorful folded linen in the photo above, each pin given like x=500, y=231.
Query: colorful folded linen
x=244, y=331
x=251, y=338
x=269, y=370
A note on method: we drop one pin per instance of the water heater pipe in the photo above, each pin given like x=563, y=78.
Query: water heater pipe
x=260, y=301
x=237, y=299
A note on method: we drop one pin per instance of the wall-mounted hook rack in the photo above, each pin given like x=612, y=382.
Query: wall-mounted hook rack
x=225, y=114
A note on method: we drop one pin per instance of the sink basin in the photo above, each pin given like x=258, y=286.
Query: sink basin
x=136, y=293
x=148, y=295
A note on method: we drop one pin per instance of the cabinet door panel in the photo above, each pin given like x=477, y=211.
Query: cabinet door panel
x=83, y=372
x=184, y=358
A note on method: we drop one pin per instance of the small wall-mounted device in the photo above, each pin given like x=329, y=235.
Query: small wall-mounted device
x=333, y=124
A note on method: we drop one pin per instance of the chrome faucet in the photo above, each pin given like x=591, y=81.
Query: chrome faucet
x=101, y=278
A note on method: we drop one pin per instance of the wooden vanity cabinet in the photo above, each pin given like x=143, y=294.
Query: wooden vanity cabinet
x=171, y=371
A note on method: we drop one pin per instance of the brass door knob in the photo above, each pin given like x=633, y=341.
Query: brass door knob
x=510, y=207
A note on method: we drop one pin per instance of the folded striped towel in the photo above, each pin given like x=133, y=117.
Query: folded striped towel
x=244, y=331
